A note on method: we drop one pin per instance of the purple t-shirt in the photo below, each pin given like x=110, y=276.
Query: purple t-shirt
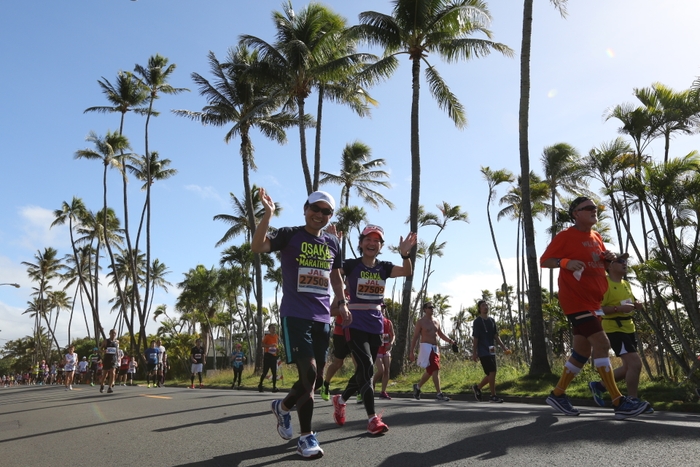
x=366, y=286
x=307, y=261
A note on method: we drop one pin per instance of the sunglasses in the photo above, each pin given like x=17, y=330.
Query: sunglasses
x=324, y=211
x=429, y=307
x=588, y=208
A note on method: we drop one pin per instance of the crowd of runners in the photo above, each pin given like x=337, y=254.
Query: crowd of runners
x=321, y=292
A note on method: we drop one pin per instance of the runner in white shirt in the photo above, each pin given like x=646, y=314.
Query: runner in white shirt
x=82, y=369
x=70, y=360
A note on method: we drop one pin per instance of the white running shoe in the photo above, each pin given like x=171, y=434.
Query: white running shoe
x=308, y=447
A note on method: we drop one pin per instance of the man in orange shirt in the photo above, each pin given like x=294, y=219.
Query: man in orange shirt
x=270, y=345
x=580, y=254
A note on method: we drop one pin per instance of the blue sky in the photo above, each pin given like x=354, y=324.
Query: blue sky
x=54, y=52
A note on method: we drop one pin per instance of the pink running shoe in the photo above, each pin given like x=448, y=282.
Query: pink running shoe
x=376, y=426
x=384, y=395
x=338, y=410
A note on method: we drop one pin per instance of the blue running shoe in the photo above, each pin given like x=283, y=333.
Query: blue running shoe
x=629, y=407
x=562, y=404
x=308, y=447
x=597, y=393
x=284, y=421
x=649, y=409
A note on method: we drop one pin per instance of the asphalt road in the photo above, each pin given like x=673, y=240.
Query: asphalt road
x=137, y=426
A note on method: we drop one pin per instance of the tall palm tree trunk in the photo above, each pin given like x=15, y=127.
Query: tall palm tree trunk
x=317, y=150
x=540, y=364
x=402, y=335
x=302, y=144
x=246, y=150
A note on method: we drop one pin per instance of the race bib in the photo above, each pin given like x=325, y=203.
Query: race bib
x=111, y=350
x=272, y=349
x=370, y=289
x=386, y=338
x=626, y=301
x=238, y=359
x=313, y=280
x=197, y=356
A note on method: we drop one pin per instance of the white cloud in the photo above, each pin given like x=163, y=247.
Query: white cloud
x=37, y=232
x=206, y=193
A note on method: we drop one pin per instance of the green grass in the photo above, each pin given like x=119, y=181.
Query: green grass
x=458, y=376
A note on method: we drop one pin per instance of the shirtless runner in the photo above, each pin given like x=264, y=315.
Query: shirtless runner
x=427, y=330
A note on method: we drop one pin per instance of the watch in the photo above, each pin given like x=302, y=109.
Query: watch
x=408, y=256
x=558, y=262
x=342, y=302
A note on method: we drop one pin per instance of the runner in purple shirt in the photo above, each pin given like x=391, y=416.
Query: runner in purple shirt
x=310, y=261
x=366, y=278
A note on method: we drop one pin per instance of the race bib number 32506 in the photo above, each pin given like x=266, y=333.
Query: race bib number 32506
x=312, y=280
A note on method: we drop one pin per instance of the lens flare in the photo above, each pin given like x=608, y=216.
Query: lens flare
x=552, y=93
x=610, y=52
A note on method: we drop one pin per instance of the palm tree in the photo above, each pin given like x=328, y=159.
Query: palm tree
x=240, y=221
x=606, y=164
x=201, y=294
x=306, y=52
x=105, y=150
x=56, y=300
x=540, y=364
x=156, y=169
x=448, y=214
x=154, y=77
x=47, y=267
x=126, y=95
x=347, y=220
x=359, y=173
x=514, y=206
x=493, y=179
x=235, y=98
x=417, y=28
x=675, y=112
x=73, y=213
x=562, y=169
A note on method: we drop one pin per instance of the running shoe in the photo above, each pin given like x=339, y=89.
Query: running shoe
x=376, y=426
x=495, y=399
x=359, y=398
x=338, y=410
x=275, y=390
x=649, y=409
x=92, y=384
x=477, y=392
x=597, y=393
x=384, y=395
x=562, y=404
x=201, y=386
x=70, y=387
x=102, y=388
x=629, y=407
x=110, y=390
x=284, y=421
x=308, y=447
x=416, y=392
x=233, y=385
x=324, y=392
x=441, y=397
x=149, y=385
x=260, y=388
x=191, y=387
x=66, y=389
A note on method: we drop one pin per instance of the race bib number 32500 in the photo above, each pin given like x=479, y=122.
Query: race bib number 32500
x=312, y=280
